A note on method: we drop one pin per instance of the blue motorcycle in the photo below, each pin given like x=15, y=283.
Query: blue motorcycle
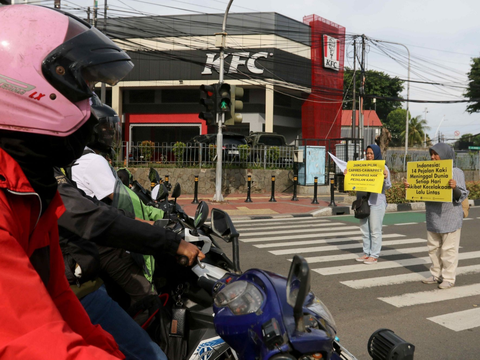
x=265, y=316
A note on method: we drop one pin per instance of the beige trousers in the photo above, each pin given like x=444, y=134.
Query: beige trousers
x=443, y=251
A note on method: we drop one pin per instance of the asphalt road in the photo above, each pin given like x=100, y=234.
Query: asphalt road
x=442, y=324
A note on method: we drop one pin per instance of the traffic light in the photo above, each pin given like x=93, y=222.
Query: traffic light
x=236, y=94
x=223, y=98
x=208, y=100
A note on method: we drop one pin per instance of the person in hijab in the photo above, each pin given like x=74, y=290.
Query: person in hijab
x=371, y=226
x=444, y=224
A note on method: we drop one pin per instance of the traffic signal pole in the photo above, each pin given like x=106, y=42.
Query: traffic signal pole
x=220, y=115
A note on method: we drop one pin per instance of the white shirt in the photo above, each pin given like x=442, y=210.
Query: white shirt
x=93, y=174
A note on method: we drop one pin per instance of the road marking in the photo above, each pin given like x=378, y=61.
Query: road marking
x=343, y=247
x=299, y=231
x=428, y=297
x=460, y=320
x=328, y=241
x=280, y=226
x=409, y=223
x=298, y=236
x=280, y=220
x=381, y=265
x=327, y=258
x=403, y=278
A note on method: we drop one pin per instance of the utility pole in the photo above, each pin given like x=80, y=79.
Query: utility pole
x=354, y=97
x=362, y=93
x=220, y=116
x=103, y=91
x=424, y=132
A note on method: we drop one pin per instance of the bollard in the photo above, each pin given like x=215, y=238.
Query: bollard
x=195, y=193
x=332, y=196
x=315, y=184
x=167, y=177
x=295, y=180
x=272, y=198
x=249, y=188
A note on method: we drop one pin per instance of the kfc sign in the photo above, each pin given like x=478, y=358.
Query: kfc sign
x=235, y=60
x=331, y=56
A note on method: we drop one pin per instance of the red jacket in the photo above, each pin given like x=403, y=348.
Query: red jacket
x=40, y=317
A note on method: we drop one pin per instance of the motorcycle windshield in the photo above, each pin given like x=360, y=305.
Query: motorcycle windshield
x=121, y=197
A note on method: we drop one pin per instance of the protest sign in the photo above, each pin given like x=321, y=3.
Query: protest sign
x=428, y=180
x=365, y=176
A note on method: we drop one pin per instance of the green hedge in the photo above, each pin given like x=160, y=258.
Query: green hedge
x=396, y=194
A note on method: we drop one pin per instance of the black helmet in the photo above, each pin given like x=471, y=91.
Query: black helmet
x=107, y=133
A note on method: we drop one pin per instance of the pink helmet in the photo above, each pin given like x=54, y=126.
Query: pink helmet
x=49, y=62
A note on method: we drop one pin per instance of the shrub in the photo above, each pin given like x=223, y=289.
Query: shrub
x=178, y=150
x=244, y=151
x=146, y=149
x=273, y=154
x=474, y=188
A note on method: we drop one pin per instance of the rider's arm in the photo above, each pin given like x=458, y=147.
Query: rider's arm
x=105, y=225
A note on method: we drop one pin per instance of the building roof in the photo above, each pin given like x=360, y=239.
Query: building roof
x=370, y=118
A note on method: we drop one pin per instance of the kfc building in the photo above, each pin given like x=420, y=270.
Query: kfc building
x=291, y=71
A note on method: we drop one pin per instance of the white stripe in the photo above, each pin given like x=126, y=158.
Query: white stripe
x=342, y=247
x=310, y=229
x=303, y=236
x=410, y=223
x=467, y=219
x=287, y=226
x=460, y=320
x=329, y=241
x=381, y=265
x=282, y=220
x=428, y=297
x=403, y=278
x=315, y=259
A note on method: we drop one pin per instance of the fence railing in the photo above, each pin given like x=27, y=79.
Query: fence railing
x=205, y=155
x=463, y=160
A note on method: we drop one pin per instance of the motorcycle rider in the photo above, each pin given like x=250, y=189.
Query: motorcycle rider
x=47, y=65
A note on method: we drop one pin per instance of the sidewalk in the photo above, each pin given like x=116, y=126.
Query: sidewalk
x=262, y=208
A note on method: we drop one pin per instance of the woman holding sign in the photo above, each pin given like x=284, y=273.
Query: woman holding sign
x=444, y=224
x=371, y=226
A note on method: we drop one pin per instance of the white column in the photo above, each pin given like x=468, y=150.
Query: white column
x=117, y=97
x=269, y=108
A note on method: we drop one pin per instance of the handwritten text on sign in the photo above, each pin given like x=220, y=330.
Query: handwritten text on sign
x=366, y=175
x=428, y=180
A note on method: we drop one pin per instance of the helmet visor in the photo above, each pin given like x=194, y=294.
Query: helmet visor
x=88, y=57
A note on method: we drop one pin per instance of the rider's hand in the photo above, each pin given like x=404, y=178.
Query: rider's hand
x=190, y=251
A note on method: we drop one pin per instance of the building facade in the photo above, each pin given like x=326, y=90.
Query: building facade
x=291, y=71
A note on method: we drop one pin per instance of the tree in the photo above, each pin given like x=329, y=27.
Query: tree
x=473, y=88
x=395, y=123
x=376, y=83
x=416, y=131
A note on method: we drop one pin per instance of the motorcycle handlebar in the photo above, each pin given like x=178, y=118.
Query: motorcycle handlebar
x=206, y=283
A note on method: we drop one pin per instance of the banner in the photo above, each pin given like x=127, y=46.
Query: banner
x=365, y=175
x=342, y=165
x=428, y=180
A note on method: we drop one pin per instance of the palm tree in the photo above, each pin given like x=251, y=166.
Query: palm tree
x=416, y=131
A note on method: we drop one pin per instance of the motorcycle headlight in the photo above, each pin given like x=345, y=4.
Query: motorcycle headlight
x=319, y=308
x=241, y=297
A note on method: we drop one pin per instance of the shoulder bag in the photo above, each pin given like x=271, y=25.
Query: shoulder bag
x=361, y=208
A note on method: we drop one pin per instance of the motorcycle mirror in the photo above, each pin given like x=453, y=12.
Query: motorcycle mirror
x=159, y=192
x=177, y=191
x=201, y=214
x=298, y=286
x=222, y=226
x=153, y=176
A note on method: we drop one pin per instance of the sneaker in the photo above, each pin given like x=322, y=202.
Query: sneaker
x=362, y=258
x=370, y=261
x=446, y=285
x=432, y=280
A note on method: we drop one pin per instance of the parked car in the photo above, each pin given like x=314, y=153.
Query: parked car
x=263, y=143
x=264, y=138
x=231, y=141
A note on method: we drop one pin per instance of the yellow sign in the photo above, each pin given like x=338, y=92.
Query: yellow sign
x=365, y=175
x=428, y=180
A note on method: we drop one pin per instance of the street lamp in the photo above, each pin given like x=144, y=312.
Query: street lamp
x=438, y=128
x=408, y=97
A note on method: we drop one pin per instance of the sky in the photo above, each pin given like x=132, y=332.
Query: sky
x=442, y=37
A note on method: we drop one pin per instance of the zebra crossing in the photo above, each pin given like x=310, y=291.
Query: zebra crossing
x=326, y=244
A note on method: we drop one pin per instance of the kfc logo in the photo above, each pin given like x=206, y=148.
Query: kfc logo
x=331, y=56
x=235, y=59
